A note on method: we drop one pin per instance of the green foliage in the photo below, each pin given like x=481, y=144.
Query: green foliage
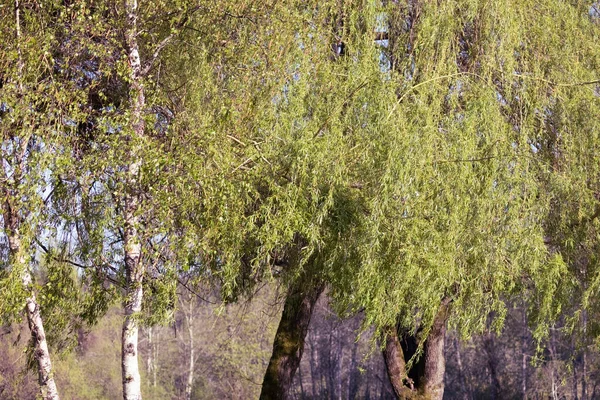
x=456, y=161
x=458, y=199
x=13, y=296
x=38, y=103
x=60, y=302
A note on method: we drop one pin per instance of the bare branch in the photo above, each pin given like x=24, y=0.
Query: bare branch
x=156, y=53
x=76, y=264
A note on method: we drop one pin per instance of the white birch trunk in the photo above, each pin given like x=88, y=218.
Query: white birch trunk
x=190, y=380
x=129, y=344
x=150, y=354
x=41, y=353
x=132, y=243
x=155, y=358
x=133, y=304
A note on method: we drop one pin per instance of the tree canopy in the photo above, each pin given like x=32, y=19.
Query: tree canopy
x=410, y=155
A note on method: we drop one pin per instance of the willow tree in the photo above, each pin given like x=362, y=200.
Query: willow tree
x=566, y=143
x=253, y=204
x=324, y=128
x=416, y=179
x=455, y=223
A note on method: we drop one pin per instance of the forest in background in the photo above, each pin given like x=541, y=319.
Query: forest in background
x=233, y=345
x=299, y=199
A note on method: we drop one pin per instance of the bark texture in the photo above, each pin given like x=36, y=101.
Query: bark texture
x=289, y=339
x=192, y=357
x=41, y=353
x=435, y=363
x=132, y=243
x=129, y=343
x=395, y=365
x=40, y=345
x=425, y=380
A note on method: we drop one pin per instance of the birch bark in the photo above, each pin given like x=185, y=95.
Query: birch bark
x=134, y=267
x=192, y=356
x=41, y=353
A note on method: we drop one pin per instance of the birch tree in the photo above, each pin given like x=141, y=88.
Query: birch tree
x=35, y=107
x=180, y=163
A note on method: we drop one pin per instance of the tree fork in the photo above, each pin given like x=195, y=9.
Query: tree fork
x=396, y=365
x=426, y=379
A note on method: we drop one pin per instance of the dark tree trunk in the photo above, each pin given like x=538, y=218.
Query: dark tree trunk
x=425, y=380
x=396, y=365
x=432, y=386
x=289, y=339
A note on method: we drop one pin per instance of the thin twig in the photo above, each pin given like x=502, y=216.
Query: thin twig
x=156, y=53
x=344, y=104
x=76, y=264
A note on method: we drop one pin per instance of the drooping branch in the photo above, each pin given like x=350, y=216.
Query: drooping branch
x=163, y=43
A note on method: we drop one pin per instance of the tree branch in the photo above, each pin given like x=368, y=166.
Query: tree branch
x=163, y=43
x=156, y=53
x=76, y=264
